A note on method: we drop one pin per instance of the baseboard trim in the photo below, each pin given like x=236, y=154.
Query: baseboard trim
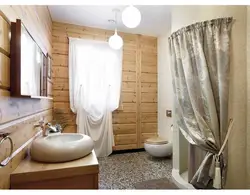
x=128, y=151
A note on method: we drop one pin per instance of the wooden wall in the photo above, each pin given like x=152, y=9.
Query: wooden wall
x=18, y=115
x=136, y=119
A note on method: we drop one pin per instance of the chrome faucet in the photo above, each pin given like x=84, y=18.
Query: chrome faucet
x=42, y=125
x=47, y=128
x=53, y=129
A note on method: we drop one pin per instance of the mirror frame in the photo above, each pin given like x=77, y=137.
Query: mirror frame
x=15, y=64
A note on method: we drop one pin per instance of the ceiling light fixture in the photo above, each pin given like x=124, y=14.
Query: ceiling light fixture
x=131, y=17
x=115, y=41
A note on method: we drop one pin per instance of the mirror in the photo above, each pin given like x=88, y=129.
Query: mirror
x=31, y=65
x=28, y=64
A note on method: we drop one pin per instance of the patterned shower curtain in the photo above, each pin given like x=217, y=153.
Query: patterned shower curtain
x=200, y=70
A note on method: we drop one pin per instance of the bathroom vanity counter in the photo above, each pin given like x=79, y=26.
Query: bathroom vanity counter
x=77, y=174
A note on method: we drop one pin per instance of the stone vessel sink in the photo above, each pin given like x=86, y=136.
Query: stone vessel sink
x=61, y=147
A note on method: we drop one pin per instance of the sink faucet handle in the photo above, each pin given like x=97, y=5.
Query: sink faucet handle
x=48, y=124
x=41, y=123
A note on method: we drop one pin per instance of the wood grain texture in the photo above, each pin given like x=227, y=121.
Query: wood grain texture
x=149, y=107
x=149, y=97
x=149, y=127
x=62, y=107
x=70, y=128
x=124, y=118
x=125, y=147
x=31, y=171
x=50, y=88
x=88, y=181
x=128, y=97
x=125, y=139
x=120, y=129
x=148, y=78
x=4, y=93
x=37, y=21
x=128, y=86
x=12, y=110
x=139, y=81
x=60, y=60
x=4, y=35
x=138, y=90
x=148, y=115
x=4, y=71
x=60, y=72
x=76, y=174
x=61, y=84
x=149, y=87
x=149, y=69
x=61, y=96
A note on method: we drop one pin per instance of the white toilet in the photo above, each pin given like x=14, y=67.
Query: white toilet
x=158, y=146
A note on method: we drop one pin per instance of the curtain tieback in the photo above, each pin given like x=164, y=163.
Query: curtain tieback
x=217, y=173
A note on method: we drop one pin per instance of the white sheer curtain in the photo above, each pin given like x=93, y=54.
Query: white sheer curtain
x=95, y=72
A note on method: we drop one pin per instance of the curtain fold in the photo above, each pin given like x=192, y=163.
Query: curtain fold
x=95, y=83
x=200, y=72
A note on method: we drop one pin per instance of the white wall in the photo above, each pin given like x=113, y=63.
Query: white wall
x=165, y=102
x=165, y=90
x=186, y=15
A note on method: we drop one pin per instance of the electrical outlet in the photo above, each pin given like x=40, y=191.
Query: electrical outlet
x=169, y=113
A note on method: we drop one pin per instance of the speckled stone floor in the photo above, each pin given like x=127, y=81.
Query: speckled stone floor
x=122, y=171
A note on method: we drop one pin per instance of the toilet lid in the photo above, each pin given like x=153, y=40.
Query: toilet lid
x=156, y=141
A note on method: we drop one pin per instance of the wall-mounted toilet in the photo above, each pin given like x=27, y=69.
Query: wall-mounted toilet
x=158, y=146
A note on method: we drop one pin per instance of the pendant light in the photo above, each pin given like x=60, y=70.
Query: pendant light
x=115, y=41
x=131, y=17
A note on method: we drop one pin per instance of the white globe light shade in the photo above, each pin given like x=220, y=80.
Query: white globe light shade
x=115, y=41
x=131, y=17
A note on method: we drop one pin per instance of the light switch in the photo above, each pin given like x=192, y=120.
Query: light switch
x=169, y=113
